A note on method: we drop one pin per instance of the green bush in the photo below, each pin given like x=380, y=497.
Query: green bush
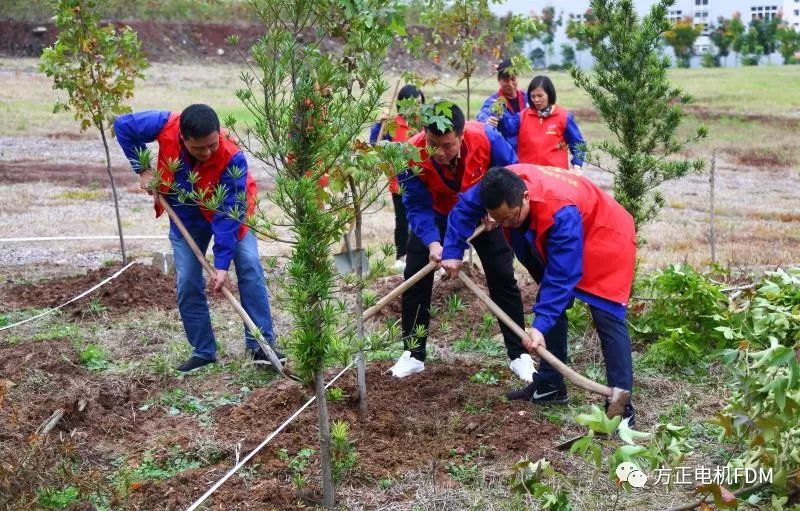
x=50, y=498
x=774, y=312
x=220, y=11
x=681, y=317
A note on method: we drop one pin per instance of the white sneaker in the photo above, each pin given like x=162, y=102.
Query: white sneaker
x=399, y=265
x=523, y=367
x=406, y=365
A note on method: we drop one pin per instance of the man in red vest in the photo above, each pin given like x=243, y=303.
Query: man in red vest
x=577, y=242
x=461, y=154
x=512, y=99
x=205, y=159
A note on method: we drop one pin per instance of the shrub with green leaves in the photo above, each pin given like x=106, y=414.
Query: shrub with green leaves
x=775, y=309
x=680, y=319
x=762, y=415
x=51, y=498
x=342, y=449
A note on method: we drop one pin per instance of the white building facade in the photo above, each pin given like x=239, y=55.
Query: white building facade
x=702, y=12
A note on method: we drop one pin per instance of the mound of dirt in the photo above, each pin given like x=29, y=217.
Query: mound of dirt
x=179, y=41
x=138, y=287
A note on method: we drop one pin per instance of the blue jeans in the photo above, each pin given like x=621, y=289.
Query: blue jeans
x=192, y=303
x=615, y=341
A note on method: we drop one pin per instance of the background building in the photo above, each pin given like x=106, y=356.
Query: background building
x=702, y=12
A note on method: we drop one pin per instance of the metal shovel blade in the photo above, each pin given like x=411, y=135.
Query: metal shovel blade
x=346, y=261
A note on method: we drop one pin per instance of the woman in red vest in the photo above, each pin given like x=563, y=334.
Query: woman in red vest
x=398, y=131
x=545, y=130
x=576, y=241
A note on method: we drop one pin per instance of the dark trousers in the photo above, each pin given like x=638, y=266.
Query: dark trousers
x=400, y=226
x=498, y=265
x=615, y=341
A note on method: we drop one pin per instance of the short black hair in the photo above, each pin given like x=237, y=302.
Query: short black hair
x=457, y=120
x=198, y=121
x=501, y=186
x=546, y=84
x=504, y=70
x=410, y=91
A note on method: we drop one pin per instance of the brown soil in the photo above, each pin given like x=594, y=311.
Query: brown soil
x=32, y=171
x=420, y=422
x=138, y=287
x=763, y=157
x=174, y=41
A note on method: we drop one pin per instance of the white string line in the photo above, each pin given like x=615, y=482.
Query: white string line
x=48, y=311
x=262, y=444
x=80, y=238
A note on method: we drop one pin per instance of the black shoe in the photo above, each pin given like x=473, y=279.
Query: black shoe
x=259, y=357
x=194, y=363
x=629, y=413
x=540, y=392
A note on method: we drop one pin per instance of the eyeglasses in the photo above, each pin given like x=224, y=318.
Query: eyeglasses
x=512, y=219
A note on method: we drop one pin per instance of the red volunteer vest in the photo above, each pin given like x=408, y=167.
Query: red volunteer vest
x=476, y=153
x=210, y=171
x=609, y=237
x=541, y=141
x=400, y=135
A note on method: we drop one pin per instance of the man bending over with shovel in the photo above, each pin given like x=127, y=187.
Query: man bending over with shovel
x=193, y=139
x=460, y=154
x=576, y=242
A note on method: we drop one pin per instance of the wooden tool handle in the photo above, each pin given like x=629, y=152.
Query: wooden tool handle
x=389, y=111
x=251, y=326
x=569, y=373
x=411, y=281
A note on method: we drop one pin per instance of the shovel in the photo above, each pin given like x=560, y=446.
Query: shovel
x=251, y=326
x=346, y=261
x=411, y=281
x=617, y=397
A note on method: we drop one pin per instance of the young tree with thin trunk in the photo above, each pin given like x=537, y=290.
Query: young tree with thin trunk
x=722, y=35
x=630, y=89
x=96, y=65
x=309, y=104
x=463, y=30
x=788, y=43
x=681, y=36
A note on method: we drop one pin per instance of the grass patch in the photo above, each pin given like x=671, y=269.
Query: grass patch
x=81, y=195
x=177, y=401
x=52, y=498
x=93, y=357
x=55, y=331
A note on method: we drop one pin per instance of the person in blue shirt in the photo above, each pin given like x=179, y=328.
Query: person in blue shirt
x=193, y=140
x=452, y=159
x=576, y=241
x=511, y=98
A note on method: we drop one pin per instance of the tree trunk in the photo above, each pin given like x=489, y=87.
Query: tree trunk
x=114, y=194
x=361, y=365
x=712, y=232
x=328, y=495
x=362, y=361
x=469, y=95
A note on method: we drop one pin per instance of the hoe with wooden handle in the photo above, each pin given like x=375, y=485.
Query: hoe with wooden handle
x=411, y=281
x=618, y=398
x=251, y=326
